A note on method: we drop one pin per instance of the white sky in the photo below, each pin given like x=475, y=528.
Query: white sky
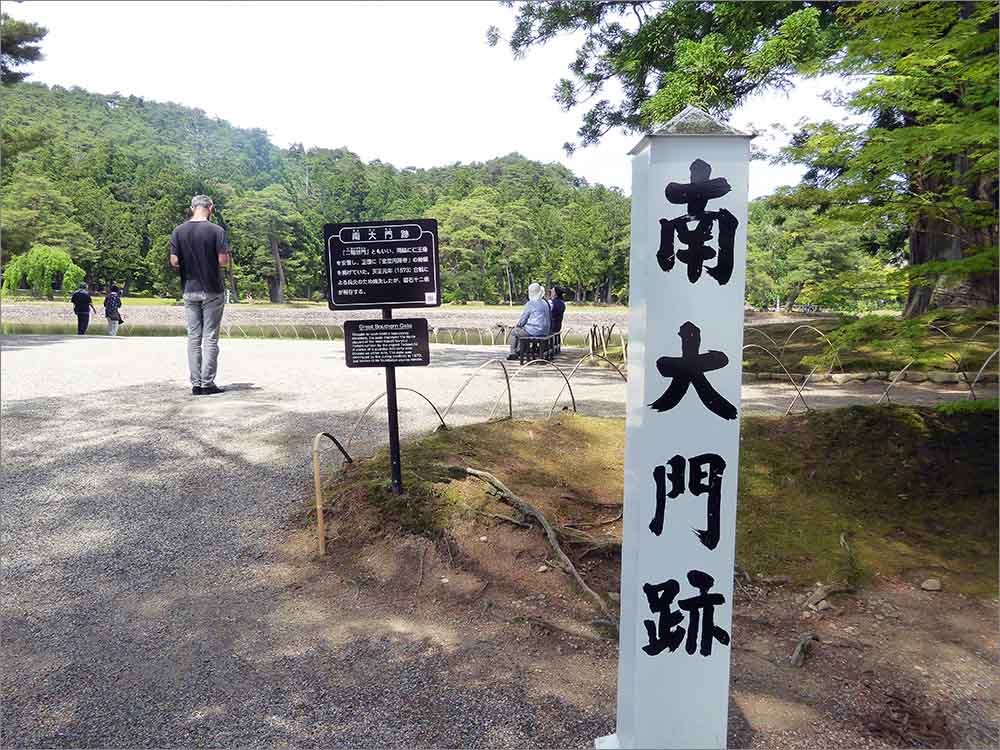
x=412, y=83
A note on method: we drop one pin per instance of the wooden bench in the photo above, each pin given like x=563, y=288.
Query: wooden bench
x=538, y=347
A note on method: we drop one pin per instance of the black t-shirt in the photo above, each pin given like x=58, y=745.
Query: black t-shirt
x=198, y=245
x=81, y=301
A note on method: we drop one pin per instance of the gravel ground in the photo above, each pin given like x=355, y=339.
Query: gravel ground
x=153, y=587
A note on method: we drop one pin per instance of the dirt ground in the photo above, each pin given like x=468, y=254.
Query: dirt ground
x=894, y=666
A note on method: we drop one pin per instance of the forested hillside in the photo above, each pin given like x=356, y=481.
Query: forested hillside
x=107, y=177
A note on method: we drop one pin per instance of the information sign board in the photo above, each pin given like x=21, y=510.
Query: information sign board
x=385, y=264
x=399, y=342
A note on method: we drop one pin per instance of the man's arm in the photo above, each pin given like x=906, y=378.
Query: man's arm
x=175, y=261
x=524, y=317
x=222, y=248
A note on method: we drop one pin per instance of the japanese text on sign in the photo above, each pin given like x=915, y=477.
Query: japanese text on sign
x=384, y=264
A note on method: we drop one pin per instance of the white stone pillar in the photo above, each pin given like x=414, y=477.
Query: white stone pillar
x=686, y=283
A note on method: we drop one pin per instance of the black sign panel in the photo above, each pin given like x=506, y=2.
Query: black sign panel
x=382, y=264
x=387, y=343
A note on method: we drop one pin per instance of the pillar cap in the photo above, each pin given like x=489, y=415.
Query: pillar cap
x=692, y=121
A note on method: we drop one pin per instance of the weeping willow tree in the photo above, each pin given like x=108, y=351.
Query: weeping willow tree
x=42, y=266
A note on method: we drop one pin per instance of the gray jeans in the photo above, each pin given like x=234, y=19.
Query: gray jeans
x=204, y=317
x=516, y=333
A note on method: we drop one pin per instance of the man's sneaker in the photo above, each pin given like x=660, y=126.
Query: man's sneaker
x=208, y=390
x=196, y=390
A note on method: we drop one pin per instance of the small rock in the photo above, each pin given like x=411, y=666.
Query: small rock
x=842, y=377
x=483, y=539
x=823, y=605
x=444, y=580
x=806, y=615
x=614, y=596
x=542, y=568
x=931, y=584
x=942, y=378
x=916, y=377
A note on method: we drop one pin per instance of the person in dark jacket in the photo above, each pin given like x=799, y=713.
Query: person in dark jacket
x=83, y=305
x=558, y=308
x=112, y=309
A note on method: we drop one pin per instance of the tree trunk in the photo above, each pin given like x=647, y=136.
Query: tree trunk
x=793, y=295
x=579, y=292
x=278, y=287
x=932, y=238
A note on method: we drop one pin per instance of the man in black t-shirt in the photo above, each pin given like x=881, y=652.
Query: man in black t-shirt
x=82, y=306
x=198, y=250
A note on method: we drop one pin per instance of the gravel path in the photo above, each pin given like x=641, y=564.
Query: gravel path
x=157, y=593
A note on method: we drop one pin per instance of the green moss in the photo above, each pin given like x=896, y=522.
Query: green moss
x=833, y=495
x=988, y=405
x=936, y=341
x=904, y=488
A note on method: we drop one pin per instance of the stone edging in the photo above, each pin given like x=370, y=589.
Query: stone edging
x=938, y=377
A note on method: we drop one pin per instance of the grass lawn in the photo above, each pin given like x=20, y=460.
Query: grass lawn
x=825, y=496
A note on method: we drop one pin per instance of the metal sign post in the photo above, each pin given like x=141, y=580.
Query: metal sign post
x=384, y=264
x=395, y=465
x=686, y=269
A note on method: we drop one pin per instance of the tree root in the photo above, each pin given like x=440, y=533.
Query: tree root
x=822, y=592
x=598, y=523
x=806, y=641
x=529, y=511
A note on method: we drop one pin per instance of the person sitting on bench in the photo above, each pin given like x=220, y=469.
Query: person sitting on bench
x=534, y=320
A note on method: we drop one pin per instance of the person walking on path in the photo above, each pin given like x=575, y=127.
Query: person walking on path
x=534, y=320
x=83, y=305
x=112, y=309
x=198, y=250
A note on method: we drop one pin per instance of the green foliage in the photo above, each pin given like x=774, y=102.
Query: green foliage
x=41, y=266
x=799, y=255
x=35, y=212
x=666, y=55
x=925, y=159
x=18, y=45
x=928, y=153
x=108, y=178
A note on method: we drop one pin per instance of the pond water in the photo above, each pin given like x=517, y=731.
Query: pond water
x=464, y=336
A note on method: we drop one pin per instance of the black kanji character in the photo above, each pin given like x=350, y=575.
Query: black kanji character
x=660, y=475
x=701, y=611
x=689, y=369
x=696, y=195
x=704, y=476
x=665, y=634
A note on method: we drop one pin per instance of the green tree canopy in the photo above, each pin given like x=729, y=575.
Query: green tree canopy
x=926, y=156
x=41, y=267
x=18, y=46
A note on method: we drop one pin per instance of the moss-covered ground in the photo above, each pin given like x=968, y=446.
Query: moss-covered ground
x=825, y=496
x=878, y=343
